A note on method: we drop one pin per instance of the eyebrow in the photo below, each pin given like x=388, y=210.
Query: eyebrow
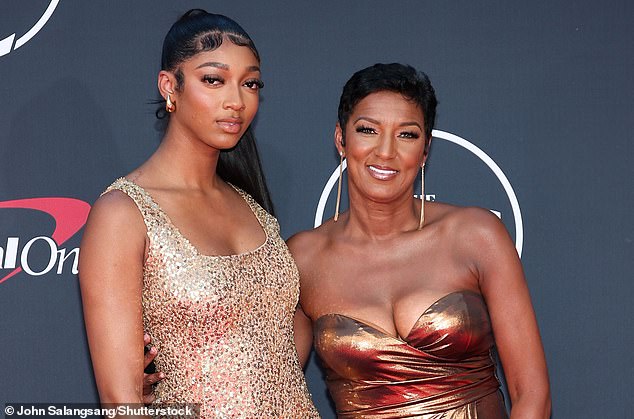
x=402, y=124
x=222, y=66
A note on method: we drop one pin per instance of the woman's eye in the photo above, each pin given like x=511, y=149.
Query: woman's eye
x=365, y=130
x=409, y=134
x=213, y=80
x=254, y=84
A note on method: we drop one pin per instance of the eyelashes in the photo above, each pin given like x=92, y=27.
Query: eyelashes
x=213, y=80
x=411, y=135
x=362, y=129
x=253, y=84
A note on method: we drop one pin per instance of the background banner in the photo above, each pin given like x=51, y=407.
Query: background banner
x=535, y=122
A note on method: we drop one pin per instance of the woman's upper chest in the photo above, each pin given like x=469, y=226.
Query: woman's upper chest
x=222, y=224
x=388, y=286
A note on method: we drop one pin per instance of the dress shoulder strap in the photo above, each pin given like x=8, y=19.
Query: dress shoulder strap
x=150, y=210
x=267, y=221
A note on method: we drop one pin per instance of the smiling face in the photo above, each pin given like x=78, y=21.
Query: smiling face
x=384, y=146
x=219, y=96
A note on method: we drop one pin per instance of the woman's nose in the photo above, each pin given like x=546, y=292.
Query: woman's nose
x=386, y=146
x=233, y=99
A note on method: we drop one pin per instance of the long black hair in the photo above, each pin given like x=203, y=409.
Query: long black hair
x=197, y=31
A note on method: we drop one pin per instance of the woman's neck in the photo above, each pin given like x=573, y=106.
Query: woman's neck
x=186, y=162
x=381, y=220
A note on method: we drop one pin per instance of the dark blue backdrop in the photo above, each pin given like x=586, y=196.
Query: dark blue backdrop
x=544, y=89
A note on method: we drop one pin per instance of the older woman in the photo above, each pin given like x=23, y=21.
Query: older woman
x=406, y=299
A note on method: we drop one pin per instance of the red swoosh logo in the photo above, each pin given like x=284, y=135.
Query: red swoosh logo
x=70, y=215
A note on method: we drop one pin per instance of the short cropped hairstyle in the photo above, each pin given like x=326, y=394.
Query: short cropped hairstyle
x=399, y=78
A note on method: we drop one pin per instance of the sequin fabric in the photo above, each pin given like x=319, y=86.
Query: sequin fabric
x=223, y=325
x=442, y=370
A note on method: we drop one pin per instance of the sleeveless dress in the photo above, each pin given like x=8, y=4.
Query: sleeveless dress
x=223, y=325
x=442, y=370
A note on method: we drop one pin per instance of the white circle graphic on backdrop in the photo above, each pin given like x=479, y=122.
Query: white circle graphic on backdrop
x=6, y=44
x=515, y=205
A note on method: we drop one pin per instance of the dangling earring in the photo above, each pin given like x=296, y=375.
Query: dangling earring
x=169, y=105
x=339, y=186
x=422, y=197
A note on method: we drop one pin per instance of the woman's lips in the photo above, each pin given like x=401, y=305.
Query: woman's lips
x=381, y=172
x=230, y=125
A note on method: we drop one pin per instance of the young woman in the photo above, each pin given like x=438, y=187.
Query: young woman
x=184, y=248
x=405, y=299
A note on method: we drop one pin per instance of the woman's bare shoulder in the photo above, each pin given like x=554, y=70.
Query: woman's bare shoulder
x=308, y=246
x=113, y=244
x=116, y=213
x=469, y=218
x=115, y=205
x=307, y=242
x=469, y=226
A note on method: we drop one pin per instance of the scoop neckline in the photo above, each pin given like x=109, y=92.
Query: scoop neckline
x=243, y=195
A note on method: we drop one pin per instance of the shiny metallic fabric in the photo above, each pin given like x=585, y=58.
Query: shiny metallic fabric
x=443, y=369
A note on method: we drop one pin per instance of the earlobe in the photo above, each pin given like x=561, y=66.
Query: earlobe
x=425, y=152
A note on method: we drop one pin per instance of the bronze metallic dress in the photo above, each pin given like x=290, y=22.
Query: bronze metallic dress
x=223, y=325
x=442, y=370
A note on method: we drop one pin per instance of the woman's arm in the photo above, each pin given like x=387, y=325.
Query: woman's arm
x=503, y=286
x=110, y=273
x=302, y=246
x=303, y=328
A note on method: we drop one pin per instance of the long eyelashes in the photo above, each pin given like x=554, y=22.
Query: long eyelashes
x=412, y=135
x=254, y=84
x=214, y=80
x=365, y=130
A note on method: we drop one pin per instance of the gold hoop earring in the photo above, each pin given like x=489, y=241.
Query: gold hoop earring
x=339, y=186
x=169, y=105
x=422, y=197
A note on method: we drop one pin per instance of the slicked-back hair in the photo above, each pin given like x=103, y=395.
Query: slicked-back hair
x=198, y=31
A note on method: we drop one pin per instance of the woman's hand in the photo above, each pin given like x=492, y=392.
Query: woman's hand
x=149, y=379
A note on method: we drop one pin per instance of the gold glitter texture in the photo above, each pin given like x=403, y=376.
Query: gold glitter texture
x=223, y=325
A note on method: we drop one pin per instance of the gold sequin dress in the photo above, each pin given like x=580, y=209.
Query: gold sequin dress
x=223, y=325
